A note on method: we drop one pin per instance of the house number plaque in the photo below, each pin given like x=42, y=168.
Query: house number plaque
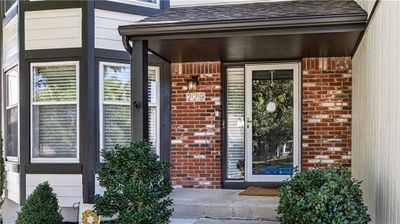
x=195, y=97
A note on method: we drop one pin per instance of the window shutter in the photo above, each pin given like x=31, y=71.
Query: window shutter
x=235, y=121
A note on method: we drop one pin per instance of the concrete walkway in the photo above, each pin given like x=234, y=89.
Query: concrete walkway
x=223, y=206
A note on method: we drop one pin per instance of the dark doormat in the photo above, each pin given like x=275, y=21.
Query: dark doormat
x=258, y=191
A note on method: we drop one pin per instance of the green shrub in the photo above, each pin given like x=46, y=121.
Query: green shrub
x=135, y=186
x=41, y=207
x=2, y=177
x=322, y=196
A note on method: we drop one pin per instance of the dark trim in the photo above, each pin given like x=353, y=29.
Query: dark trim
x=159, y=56
x=244, y=185
x=139, y=94
x=48, y=5
x=55, y=54
x=58, y=168
x=243, y=27
x=106, y=54
x=165, y=4
x=88, y=105
x=165, y=113
x=224, y=132
x=24, y=104
x=362, y=33
x=126, y=8
x=11, y=14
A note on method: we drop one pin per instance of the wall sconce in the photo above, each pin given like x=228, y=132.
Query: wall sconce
x=193, y=83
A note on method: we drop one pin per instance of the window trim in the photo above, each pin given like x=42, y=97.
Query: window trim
x=101, y=102
x=140, y=3
x=102, y=64
x=14, y=159
x=157, y=105
x=76, y=102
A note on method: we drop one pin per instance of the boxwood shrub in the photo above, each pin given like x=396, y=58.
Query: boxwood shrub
x=322, y=196
x=136, y=190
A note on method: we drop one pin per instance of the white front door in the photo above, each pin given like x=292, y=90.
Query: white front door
x=272, y=125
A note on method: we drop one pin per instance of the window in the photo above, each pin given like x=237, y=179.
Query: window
x=147, y=3
x=11, y=122
x=55, y=112
x=115, y=107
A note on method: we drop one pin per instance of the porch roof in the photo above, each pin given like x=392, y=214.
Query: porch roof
x=257, y=31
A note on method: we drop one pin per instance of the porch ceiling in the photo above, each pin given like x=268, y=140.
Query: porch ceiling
x=285, y=36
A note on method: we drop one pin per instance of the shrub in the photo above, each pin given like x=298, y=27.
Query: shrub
x=41, y=207
x=322, y=196
x=136, y=189
x=2, y=177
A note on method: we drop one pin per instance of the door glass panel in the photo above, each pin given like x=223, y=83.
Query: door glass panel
x=272, y=121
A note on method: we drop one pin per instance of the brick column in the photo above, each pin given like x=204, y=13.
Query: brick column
x=196, y=127
x=326, y=112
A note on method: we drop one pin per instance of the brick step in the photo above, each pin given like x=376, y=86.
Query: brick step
x=223, y=204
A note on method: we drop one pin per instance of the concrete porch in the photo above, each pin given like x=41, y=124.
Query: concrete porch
x=222, y=206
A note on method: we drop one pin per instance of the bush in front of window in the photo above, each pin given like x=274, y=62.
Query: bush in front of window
x=2, y=177
x=136, y=190
x=40, y=207
x=322, y=196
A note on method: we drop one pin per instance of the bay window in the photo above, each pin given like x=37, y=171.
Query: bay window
x=115, y=107
x=11, y=116
x=55, y=112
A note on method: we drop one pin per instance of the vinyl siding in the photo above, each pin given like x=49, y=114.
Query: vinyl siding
x=12, y=186
x=367, y=5
x=68, y=187
x=10, y=42
x=106, y=28
x=376, y=120
x=50, y=29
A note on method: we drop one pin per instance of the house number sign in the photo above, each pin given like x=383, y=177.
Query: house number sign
x=195, y=97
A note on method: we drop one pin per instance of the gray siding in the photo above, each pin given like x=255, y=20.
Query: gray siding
x=376, y=120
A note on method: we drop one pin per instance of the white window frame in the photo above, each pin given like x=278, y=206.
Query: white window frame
x=101, y=102
x=4, y=111
x=140, y=3
x=58, y=63
x=157, y=105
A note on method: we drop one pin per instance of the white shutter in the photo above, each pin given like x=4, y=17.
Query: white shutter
x=235, y=121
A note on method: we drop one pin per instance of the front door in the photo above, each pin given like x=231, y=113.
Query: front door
x=272, y=121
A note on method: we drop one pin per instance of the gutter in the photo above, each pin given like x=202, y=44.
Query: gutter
x=172, y=30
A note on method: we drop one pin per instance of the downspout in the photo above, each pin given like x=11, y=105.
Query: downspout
x=127, y=44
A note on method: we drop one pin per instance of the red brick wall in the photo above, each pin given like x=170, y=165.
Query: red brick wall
x=326, y=112
x=196, y=127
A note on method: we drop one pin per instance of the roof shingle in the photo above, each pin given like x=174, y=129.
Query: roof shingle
x=262, y=10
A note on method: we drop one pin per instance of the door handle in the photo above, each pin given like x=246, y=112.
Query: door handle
x=248, y=122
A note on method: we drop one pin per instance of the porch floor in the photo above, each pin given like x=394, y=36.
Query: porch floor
x=223, y=206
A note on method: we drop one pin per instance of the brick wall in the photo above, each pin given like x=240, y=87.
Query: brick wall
x=326, y=111
x=196, y=127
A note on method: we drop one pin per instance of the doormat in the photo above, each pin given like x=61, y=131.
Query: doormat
x=258, y=191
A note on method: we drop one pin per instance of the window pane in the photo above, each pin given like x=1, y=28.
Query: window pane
x=117, y=125
x=117, y=86
x=12, y=87
x=55, y=131
x=235, y=122
x=152, y=96
x=12, y=132
x=54, y=83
